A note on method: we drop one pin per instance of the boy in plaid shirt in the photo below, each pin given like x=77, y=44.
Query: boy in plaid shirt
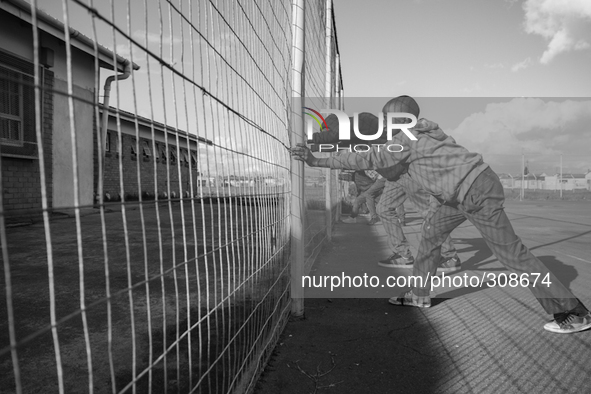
x=467, y=189
x=369, y=188
x=396, y=189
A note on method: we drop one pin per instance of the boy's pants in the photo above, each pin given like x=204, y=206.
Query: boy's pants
x=483, y=207
x=393, y=196
x=369, y=197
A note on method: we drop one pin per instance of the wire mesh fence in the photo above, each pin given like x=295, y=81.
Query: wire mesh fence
x=145, y=190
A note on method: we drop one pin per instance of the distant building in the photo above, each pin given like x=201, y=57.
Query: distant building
x=547, y=182
x=568, y=182
x=161, y=150
x=506, y=180
x=530, y=181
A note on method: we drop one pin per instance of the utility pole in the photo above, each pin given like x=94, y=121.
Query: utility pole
x=522, y=195
x=561, y=176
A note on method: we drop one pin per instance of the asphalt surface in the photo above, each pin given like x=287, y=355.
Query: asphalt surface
x=472, y=340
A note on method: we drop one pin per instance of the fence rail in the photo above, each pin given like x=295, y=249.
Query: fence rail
x=146, y=195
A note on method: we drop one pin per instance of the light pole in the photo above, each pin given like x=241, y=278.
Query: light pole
x=522, y=195
x=561, y=176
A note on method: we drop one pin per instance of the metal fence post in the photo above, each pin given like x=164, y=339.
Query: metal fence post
x=328, y=96
x=297, y=167
x=337, y=94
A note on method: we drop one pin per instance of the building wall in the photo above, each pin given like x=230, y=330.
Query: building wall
x=83, y=92
x=124, y=161
x=22, y=178
x=63, y=167
x=568, y=183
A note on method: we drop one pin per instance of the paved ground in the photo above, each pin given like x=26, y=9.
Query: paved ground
x=473, y=340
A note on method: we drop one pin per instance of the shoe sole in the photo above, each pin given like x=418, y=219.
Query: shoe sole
x=448, y=270
x=394, y=301
x=582, y=328
x=406, y=266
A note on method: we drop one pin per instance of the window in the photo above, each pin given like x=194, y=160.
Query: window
x=184, y=157
x=156, y=151
x=172, y=157
x=193, y=160
x=112, y=142
x=146, y=149
x=17, y=107
x=11, y=106
x=163, y=153
x=108, y=142
x=133, y=149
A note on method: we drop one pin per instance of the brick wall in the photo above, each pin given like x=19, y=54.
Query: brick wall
x=167, y=172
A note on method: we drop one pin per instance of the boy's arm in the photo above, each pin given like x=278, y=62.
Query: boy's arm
x=374, y=159
x=325, y=137
x=302, y=153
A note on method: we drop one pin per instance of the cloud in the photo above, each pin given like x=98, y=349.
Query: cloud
x=510, y=3
x=542, y=129
x=566, y=25
x=474, y=88
x=521, y=65
x=123, y=50
x=495, y=66
x=154, y=38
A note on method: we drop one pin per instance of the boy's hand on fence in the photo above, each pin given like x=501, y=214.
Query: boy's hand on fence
x=302, y=153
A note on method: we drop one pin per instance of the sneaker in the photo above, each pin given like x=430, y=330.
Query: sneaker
x=349, y=220
x=452, y=264
x=397, y=261
x=374, y=220
x=410, y=299
x=568, y=322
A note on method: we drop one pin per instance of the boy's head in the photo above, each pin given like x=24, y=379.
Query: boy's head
x=402, y=104
x=368, y=125
x=332, y=122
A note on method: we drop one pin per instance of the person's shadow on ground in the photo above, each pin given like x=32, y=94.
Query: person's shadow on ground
x=564, y=273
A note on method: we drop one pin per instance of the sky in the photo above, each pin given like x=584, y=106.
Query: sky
x=507, y=78
x=453, y=48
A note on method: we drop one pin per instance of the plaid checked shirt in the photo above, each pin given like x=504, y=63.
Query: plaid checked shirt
x=435, y=161
x=373, y=174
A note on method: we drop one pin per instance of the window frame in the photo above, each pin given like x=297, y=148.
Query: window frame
x=27, y=147
x=21, y=141
x=146, y=152
x=193, y=160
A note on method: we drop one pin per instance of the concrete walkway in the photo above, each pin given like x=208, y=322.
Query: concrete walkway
x=472, y=340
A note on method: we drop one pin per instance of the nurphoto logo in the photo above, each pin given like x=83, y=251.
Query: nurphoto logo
x=394, y=121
